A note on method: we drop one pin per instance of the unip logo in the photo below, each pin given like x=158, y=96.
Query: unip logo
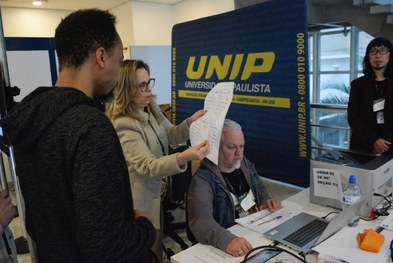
x=230, y=67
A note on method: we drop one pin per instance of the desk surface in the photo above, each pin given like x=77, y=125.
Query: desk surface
x=297, y=203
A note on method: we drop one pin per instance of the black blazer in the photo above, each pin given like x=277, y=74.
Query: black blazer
x=362, y=118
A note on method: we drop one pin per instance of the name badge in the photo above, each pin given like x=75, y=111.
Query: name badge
x=248, y=201
x=380, y=117
x=378, y=105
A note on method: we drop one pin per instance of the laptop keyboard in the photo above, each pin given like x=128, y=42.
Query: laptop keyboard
x=307, y=233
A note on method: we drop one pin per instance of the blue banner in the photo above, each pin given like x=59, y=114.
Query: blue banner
x=263, y=49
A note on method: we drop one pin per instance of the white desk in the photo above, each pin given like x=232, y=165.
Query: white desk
x=299, y=202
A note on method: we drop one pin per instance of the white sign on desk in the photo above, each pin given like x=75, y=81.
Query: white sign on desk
x=327, y=183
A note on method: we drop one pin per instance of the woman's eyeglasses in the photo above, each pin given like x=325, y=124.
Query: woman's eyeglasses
x=382, y=51
x=143, y=86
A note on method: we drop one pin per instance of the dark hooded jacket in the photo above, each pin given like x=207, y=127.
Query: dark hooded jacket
x=74, y=180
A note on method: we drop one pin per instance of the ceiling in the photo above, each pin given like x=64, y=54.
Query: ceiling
x=77, y=4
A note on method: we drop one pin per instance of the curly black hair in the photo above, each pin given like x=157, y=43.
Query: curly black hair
x=81, y=33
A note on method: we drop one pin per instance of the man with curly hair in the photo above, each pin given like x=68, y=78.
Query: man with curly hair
x=72, y=171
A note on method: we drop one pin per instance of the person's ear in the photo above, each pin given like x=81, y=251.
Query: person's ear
x=100, y=56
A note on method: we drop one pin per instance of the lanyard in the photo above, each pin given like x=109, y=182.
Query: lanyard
x=379, y=88
x=241, y=193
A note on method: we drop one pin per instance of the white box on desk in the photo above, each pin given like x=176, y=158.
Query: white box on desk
x=374, y=174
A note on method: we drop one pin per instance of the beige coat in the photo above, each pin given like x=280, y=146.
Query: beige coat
x=146, y=163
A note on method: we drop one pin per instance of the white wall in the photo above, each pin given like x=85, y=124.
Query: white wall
x=139, y=23
x=25, y=74
x=152, y=23
x=194, y=9
x=124, y=25
x=159, y=60
x=22, y=22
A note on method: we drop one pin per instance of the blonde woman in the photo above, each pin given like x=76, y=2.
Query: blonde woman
x=145, y=135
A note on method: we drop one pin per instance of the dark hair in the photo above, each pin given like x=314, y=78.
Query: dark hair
x=81, y=33
x=377, y=42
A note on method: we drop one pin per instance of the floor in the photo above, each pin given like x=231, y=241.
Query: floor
x=278, y=190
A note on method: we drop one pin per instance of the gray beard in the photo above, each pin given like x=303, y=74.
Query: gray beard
x=237, y=165
x=229, y=169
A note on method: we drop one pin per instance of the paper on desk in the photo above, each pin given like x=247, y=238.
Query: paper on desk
x=388, y=222
x=264, y=220
x=344, y=247
x=204, y=254
x=209, y=126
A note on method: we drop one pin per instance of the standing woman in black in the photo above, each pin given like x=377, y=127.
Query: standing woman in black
x=370, y=106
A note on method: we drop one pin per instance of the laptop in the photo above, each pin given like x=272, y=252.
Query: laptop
x=304, y=231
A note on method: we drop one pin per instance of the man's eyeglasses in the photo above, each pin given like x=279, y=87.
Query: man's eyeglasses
x=382, y=51
x=143, y=86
